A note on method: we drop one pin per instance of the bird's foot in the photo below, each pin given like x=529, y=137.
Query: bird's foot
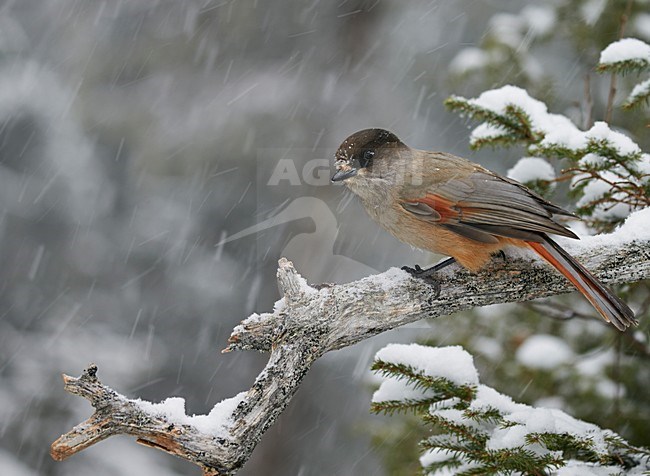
x=418, y=271
x=426, y=275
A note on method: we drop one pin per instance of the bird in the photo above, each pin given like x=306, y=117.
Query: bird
x=449, y=205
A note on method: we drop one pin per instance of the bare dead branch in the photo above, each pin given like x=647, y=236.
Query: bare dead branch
x=588, y=108
x=311, y=321
x=625, y=16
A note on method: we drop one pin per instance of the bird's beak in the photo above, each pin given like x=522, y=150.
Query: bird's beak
x=343, y=170
x=343, y=174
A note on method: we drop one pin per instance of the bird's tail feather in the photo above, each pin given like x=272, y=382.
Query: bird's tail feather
x=610, y=306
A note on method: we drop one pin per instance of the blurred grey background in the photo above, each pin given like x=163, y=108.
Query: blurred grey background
x=135, y=136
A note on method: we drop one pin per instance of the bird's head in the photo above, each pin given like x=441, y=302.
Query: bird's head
x=365, y=154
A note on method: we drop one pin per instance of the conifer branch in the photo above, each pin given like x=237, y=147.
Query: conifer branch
x=485, y=432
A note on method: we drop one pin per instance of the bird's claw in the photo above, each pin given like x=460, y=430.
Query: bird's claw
x=425, y=275
x=412, y=271
x=417, y=272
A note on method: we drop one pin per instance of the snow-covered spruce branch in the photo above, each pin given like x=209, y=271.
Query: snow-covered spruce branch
x=481, y=431
x=310, y=321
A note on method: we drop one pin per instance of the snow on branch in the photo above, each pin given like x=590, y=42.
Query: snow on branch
x=609, y=172
x=310, y=321
x=116, y=414
x=511, y=116
x=480, y=431
x=625, y=56
x=639, y=95
x=622, y=56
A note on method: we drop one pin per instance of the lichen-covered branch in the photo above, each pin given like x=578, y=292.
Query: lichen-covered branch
x=116, y=414
x=306, y=324
x=352, y=312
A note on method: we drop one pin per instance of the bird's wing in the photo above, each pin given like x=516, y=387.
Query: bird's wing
x=483, y=206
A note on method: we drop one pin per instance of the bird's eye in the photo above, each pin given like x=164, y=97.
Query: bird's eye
x=365, y=159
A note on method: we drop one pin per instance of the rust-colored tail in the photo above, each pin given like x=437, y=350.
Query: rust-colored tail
x=601, y=297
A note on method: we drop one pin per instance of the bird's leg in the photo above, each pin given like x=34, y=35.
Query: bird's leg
x=427, y=274
x=418, y=272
